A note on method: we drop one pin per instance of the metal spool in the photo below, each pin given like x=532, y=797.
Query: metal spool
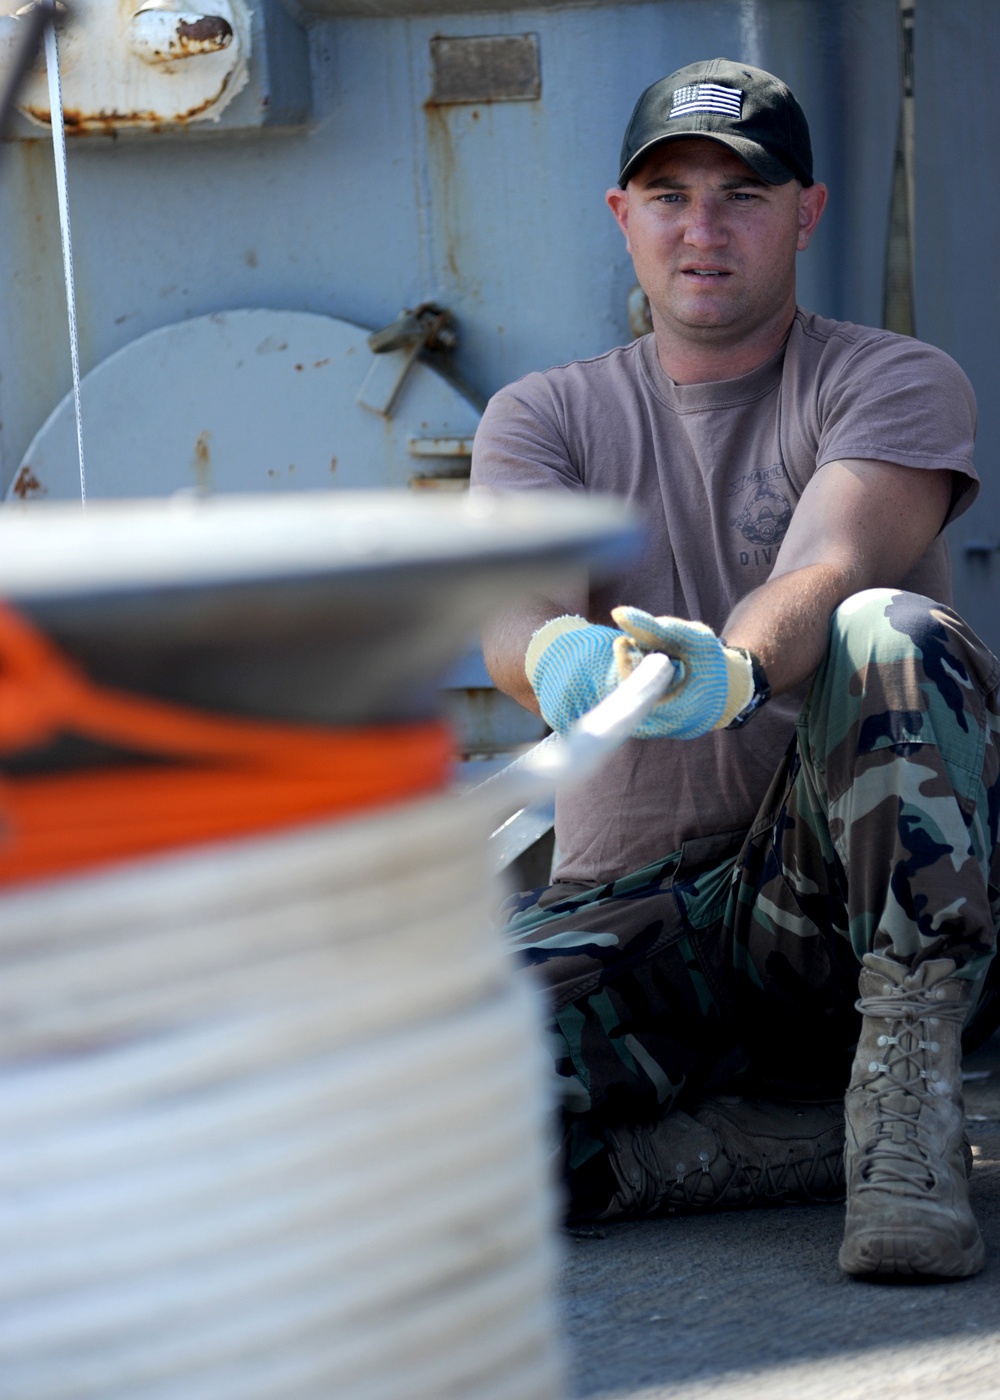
x=274, y=1107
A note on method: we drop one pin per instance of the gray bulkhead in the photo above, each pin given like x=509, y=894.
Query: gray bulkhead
x=362, y=169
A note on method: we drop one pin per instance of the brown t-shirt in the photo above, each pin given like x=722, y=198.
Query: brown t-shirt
x=715, y=471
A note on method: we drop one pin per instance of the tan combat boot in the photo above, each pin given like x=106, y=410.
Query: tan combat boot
x=905, y=1158
x=726, y=1154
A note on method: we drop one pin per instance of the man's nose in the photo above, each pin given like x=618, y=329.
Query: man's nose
x=705, y=226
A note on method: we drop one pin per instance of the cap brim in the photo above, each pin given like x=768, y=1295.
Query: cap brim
x=761, y=162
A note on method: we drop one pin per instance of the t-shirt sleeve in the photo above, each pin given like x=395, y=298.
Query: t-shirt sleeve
x=520, y=445
x=900, y=400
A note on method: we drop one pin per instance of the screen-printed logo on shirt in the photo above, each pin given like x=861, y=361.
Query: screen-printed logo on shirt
x=767, y=508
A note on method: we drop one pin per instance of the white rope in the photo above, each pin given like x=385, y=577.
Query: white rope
x=304, y=1156
x=59, y=150
x=526, y=787
x=564, y=760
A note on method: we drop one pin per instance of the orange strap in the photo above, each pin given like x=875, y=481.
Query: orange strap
x=229, y=776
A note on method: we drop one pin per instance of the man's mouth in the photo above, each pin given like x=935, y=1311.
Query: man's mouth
x=705, y=272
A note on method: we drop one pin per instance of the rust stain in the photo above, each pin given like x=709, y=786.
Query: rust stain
x=202, y=462
x=250, y=257
x=441, y=147
x=26, y=484
x=78, y=123
x=318, y=364
x=204, y=35
x=333, y=465
x=300, y=368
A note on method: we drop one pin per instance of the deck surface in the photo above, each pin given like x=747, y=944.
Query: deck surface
x=752, y=1306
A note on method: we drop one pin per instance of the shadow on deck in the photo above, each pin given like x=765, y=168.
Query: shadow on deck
x=752, y=1304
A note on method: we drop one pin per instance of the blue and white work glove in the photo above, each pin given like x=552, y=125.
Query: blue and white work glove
x=572, y=664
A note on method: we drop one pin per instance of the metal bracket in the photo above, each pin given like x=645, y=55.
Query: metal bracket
x=447, y=460
x=396, y=347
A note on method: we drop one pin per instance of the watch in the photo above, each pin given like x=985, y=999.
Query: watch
x=761, y=690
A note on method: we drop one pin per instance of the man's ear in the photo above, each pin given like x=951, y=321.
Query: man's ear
x=812, y=202
x=617, y=201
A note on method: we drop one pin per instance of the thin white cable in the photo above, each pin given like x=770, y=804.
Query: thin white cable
x=59, y=151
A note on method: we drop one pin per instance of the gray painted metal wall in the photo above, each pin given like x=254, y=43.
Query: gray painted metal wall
x=956, y=51
x=495, y=210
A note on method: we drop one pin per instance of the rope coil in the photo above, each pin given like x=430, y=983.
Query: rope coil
x=323, y=1177
x=191, y=778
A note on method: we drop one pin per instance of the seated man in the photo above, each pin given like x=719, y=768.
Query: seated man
x=729, y=895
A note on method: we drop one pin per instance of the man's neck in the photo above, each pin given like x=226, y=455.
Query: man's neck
x=687, y=361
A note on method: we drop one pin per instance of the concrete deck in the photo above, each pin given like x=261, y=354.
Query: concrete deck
x=752, y=1306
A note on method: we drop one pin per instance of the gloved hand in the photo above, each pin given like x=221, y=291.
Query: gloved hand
x=572, y=664
x=714, y=682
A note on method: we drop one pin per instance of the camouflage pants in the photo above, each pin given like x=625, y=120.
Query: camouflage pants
x=736, y=958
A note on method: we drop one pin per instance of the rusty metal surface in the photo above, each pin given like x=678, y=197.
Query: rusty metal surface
x=162, y=36
x=448, y=447
x=210, y=30
x=26, y=486
x=22, y=53
x=150, y=68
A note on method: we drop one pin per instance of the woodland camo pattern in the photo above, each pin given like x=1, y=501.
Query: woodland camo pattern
x=735, y=960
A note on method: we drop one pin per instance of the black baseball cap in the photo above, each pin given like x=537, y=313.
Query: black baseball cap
x=750, y=111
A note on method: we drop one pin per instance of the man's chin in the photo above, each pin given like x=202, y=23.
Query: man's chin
x=704, y=325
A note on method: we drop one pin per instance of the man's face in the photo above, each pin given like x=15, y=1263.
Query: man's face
x=713, y=244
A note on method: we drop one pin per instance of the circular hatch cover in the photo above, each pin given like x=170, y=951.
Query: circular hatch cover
x=249, y=401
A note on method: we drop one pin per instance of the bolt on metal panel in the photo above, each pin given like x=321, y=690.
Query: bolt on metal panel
x=146, y=67
x=167, y=66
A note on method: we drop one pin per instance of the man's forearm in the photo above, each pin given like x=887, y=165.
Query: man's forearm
x=786, y=621
x=859, y=524
x=505, y=640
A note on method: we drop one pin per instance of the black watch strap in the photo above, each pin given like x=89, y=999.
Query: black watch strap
x=761, y=690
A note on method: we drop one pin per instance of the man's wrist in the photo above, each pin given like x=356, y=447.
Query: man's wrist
x=545, y=636
x=760, y=694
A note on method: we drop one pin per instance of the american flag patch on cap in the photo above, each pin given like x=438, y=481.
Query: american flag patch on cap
x=707, y=97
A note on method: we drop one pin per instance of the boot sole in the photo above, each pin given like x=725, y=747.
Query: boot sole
x=906, y=1254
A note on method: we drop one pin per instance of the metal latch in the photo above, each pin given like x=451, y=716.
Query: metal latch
x=396, y=347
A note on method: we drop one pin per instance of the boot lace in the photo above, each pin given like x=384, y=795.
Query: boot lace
x=899, y=1156
x=726, y=1180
